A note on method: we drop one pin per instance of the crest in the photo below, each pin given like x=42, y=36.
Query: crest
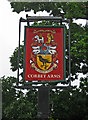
x=44, y=52
x=44, y=61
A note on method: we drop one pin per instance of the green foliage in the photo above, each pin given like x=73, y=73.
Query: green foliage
x=16, y=103
x=21, y=109
x=84, y=84
x=67, y=104
x=78, y=47
x=14, y=59
x=70, y=10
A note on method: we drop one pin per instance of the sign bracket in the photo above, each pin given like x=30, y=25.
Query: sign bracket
x=46, y=18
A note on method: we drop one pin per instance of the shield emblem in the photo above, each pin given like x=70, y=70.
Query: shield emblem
x=44, y=61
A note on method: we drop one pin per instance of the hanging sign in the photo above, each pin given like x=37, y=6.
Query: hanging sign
x=44, y=53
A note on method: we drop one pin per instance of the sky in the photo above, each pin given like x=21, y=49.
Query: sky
x=9, y=34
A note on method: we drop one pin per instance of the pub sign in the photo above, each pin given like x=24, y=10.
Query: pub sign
x=44, y=53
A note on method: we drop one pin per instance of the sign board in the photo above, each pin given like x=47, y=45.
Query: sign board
x=44, y=53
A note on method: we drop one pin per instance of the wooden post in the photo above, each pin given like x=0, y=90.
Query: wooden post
x=43, y=102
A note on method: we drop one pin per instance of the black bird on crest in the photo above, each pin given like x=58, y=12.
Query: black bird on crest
x=44, y=61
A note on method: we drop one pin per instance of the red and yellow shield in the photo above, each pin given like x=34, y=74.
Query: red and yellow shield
x=44, y=61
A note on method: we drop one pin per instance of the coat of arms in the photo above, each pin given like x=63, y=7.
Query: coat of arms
x=44, y=52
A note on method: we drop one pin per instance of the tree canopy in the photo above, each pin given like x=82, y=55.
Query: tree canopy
x=66, y=104
x=71, y=10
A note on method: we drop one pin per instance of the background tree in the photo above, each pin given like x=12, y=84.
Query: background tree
x=75, y=10
x=17, y=104
x=69, y=104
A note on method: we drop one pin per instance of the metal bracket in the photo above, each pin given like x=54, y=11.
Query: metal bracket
x=37, y=87
x=41, y=18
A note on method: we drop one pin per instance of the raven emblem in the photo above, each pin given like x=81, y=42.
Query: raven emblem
x=44, y=61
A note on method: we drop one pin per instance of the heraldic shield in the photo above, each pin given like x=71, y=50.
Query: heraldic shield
x=44, y=61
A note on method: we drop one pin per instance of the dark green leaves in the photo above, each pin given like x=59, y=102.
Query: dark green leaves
x=70, y=9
